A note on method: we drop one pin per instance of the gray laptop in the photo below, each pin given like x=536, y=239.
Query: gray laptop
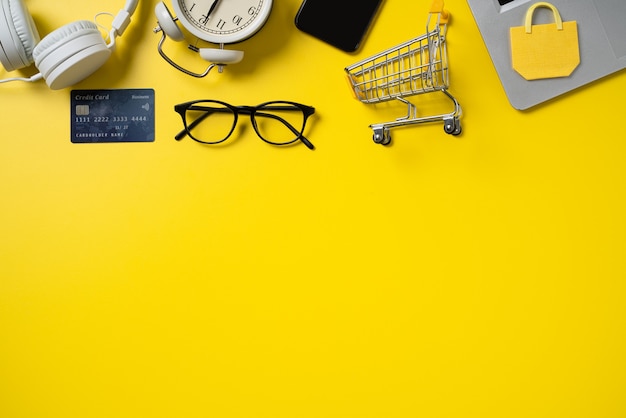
x=601, y=34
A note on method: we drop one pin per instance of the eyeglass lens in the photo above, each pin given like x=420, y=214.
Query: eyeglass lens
x=210, y=122
x=279, y=123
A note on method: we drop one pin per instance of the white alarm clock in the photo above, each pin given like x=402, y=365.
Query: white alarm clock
x=216, y=21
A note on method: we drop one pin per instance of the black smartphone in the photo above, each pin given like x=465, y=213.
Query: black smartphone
x=340, y=23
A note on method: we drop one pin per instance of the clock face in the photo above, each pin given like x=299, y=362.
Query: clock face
x=222, y=21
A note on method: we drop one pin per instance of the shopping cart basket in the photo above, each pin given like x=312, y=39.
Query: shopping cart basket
x=415, y=67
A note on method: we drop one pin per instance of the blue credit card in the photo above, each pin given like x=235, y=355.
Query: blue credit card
x=121, y=115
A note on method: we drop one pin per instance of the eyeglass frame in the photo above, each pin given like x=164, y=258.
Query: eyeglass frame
x=307, y=111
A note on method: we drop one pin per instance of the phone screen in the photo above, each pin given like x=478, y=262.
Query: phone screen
x=341, y=23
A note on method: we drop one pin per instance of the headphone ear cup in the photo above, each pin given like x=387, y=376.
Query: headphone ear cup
x=70, y=54
x=18, y=36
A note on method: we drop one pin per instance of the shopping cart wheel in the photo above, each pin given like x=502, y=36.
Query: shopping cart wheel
x=382, y=136
x=452, y=126
x=458, y=129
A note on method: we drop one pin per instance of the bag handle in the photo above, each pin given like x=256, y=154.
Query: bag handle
x=531, y=10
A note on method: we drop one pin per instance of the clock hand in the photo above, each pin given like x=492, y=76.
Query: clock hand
x=206, y=17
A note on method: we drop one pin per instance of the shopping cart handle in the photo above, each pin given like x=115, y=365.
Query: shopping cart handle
x=437, y=8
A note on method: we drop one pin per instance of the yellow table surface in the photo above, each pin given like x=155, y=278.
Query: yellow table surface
x=472, y=276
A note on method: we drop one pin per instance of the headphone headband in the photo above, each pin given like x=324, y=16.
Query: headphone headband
x=122, y=19
x=131, y=5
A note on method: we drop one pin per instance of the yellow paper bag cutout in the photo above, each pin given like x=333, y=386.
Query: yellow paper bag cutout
x=545, y=51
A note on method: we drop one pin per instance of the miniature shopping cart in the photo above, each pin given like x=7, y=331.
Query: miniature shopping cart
x=415, y=67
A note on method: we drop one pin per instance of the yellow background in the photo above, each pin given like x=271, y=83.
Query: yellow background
x=471, y=276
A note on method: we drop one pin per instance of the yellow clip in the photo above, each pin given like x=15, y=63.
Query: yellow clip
x=437, y=7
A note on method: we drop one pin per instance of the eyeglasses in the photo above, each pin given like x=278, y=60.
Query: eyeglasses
x=212, y=121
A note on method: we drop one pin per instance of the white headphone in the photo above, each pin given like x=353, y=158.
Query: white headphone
x=64, y=57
